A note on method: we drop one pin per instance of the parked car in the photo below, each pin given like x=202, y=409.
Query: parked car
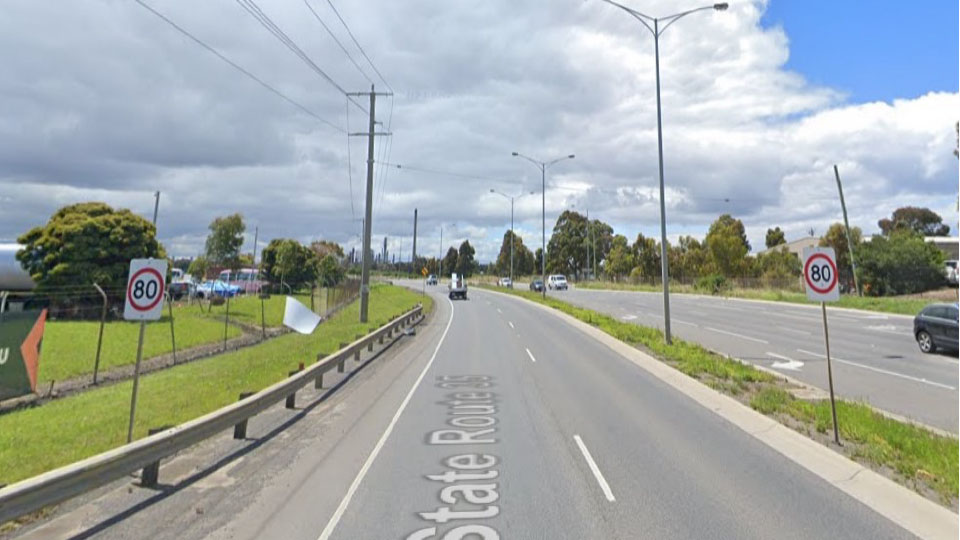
x=935, y=327
x=950, y=271
x=458, y=287
x=432, y=279
x=536, y=285
x=180, y=289
x=209, y=289
x=505, y=282
x=557, y=282
x=246, y=279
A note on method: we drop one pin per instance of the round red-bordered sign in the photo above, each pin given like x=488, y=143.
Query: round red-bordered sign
x=833, y=268
x=133, y=279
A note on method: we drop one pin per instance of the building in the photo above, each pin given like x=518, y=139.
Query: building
x=949, y=245
x=796, y=247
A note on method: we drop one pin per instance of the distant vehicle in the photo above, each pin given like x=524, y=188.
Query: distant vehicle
x=179, y=289
x=209, y=289
x=458, y=287
x=432, y=279
x=557, y=282
x=935, y=327
x=950, y=270
x=247, y=279
x=536, y=285
x=505, y=282
x=176, y=274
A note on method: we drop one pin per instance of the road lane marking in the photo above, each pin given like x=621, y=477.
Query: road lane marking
x=879, y=370
x=629, y=317
x=335, y=518
x=685, y=322
x=758, y=340
x=788, y=363
x=794, y=330
x=511, y=324
x=498, y=311
x=593, y=468
x=530, y=354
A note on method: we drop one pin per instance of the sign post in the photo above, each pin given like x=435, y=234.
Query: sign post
x=820, y=281
x=424, y=271
x=144, y=302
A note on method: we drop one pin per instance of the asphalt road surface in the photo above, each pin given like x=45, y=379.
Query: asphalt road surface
x=496, y=421
x=874, y=355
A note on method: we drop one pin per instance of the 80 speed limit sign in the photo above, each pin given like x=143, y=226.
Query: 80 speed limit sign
x=145, y=287
x=820, y=274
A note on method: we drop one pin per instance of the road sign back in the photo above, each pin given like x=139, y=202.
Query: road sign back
x=145, y=287
x=424, y=271
x=820, y=274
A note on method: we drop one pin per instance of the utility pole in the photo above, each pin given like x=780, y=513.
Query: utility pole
x=846, y=225
x=414, y=259
x=368, y=209
x=441, y=252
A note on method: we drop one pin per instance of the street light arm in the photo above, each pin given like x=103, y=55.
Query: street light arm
x=539, y=164
x=674, y=18
x=549, y=163
x=636, y=15
x=500, y=193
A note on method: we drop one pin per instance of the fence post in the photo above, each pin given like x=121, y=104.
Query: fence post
x=173, y=336
x=103, y=319
x=240, y=428
x=151, y=472
x=226, y=321
x=263, y=324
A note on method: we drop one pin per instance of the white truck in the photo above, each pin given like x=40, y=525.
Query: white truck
x=458, y=287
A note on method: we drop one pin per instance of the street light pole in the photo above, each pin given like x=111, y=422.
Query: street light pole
x=656, y=30
x=512, y=234
x=543, y=211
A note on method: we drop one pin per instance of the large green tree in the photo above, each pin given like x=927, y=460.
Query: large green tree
x=646, y=253
x=775, y=237
x=329, y=271
x=225, y=240
x=836, y=237
x=728, y=246
x=326, y=247
x=620, y=260
x=198, y=267
x=450, y=261
x=466, y=265
x=901, y=263
x=567, y=247
x=922, y=220
x=86, y=243
x=522, y=257
x=289, y=262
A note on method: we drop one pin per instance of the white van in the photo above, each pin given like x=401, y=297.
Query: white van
x=557, y=282
x=458, y=287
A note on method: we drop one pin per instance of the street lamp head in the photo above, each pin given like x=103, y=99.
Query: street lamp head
x=570, y=156
x=721, y=7
x=493, y=190
x=515, y=154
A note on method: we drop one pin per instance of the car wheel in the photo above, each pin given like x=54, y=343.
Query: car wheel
x=925, y=341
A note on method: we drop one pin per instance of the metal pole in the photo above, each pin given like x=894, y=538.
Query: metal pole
x=368, y=216
x=833, y=403
x=173, y=336
x=665, y=272
x=543, y=227
x=226, y=321
x=414, y=259
x=103, y=319
x=156, y=207
x=512, y=241
x=846, y=225
x=136, y=383
x=263, y=324
x=441, y=251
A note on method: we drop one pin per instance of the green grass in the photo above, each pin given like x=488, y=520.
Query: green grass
x=902, y=306
x=246, y=309
x=66, y=430
x=917, y=455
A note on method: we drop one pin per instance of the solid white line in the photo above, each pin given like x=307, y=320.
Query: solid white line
x=530, y=354
x=878, y=370
x=737, y=335
x=596, y=470
x=511, y=324
x=335, y=518
x=794, y=330
x=781, y=357
x=676, y=320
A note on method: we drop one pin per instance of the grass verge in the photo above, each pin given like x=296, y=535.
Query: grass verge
x=924, y=461
x=902, y=306
x=63, y=431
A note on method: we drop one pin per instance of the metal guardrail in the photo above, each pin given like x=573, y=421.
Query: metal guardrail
x=71, y=480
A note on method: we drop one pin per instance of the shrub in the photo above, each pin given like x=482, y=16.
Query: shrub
x=713, y=284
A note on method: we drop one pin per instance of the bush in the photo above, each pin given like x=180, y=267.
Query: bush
x=713, y=284
x=902, y=263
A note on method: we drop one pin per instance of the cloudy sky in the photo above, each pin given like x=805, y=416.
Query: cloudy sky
x=103, y=100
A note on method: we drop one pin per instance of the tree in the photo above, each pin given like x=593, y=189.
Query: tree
x=522, y=258
x=777, y=265
x=466, y=266
x=225, y=240
x=86, y=243
x=449, y=265
x=901, y=263
x=329, y=271
x=198, y=267
x=567, y=248
x=775, y=237
x=836, y=238
x=287, y=261
x=326, y=247
x=922, y=220
x=727, y=244
x=600, y=240
x=620, y=260
x=538, y=262
x=694, y=259
x=646, y=253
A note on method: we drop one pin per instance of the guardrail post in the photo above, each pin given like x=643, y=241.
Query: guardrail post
x=370, y=346
x=240, y=428
x=356, y=352
x=151, y=472
x=291, y=402
x=340, y=365
x=318, y=382
x=380, y=338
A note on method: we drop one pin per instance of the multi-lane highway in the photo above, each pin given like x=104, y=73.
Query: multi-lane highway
x=497, y=421
x=875, y=357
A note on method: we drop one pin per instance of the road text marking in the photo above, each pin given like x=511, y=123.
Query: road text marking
x=511, y=324
x=788, y=363
x=593, y=468
x=734, y=334
x=879, y=370
x=530, y=354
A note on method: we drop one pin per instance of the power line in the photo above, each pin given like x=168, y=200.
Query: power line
x=385, y=153
x=254, y=10
x=236, y=66
x=355, y=42
x=353, y=214
x=342, y=48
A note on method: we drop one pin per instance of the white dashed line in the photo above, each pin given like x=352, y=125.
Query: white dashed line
x=593, y=468
x=878, y=370
x=530, y=354
x=734, y=334
x=511, y=324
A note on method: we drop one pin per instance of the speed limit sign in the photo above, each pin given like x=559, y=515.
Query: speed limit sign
x=145, y=287
x=820, y=274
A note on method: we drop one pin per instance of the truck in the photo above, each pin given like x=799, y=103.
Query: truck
x=458, y=287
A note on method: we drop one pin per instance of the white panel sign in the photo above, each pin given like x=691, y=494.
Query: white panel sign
x=299, y=317
x=146, y=284
x=820, y=274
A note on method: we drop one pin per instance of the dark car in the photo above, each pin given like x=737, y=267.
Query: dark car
x=935, y=327
x=536, y=285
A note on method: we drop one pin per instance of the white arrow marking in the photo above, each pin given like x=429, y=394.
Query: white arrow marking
x=790, y=363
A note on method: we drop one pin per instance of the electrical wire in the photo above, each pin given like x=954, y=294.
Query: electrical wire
x=353, y=215
x=355, y=42
x=342, y=48
x=239, y=68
